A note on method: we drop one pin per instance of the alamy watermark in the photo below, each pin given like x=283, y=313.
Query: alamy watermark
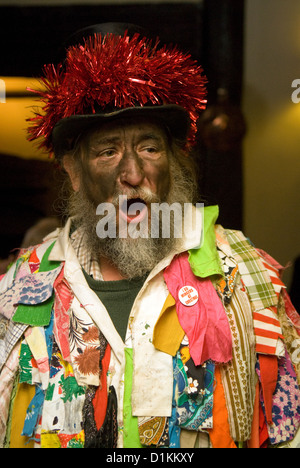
x=136, y=219
x=2, y=91
x=296, y=94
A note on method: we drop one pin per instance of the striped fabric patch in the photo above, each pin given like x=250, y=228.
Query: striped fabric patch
x=263, y=285
x=254, y=275
x=237, y=375
x=274, y=276
x=266, y=322
x=267, y=330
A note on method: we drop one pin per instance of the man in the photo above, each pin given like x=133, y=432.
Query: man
x=141, y=323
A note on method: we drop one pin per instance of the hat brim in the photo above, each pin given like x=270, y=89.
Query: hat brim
x=174, y=118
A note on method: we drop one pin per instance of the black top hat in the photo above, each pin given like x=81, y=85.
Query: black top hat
x=114, y=71
x=118, y=29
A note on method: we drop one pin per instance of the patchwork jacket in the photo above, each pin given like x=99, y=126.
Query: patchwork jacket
x=212, y=347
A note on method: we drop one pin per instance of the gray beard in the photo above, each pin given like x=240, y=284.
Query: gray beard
x=133, y=257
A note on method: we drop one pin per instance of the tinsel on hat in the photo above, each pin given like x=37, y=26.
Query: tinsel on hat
x=116, y=72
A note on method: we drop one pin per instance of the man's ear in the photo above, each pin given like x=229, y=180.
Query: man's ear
x=71, y=168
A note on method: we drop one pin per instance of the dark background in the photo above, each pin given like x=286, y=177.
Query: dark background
x=212, y=31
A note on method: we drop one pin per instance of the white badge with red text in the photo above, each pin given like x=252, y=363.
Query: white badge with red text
x=188, y=295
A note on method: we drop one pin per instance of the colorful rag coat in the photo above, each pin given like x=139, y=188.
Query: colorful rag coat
x=212, y=347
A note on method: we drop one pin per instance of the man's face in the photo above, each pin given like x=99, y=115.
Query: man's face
x=129, y=159
x=132, y=159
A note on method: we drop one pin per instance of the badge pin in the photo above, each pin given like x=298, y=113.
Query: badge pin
x=188, y=295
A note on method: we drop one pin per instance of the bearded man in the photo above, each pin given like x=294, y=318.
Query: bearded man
x=140, y=323
x=128, y=163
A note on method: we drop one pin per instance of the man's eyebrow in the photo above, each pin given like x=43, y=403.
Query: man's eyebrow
x=104, y=141
x=111, y=140
x=150, y=136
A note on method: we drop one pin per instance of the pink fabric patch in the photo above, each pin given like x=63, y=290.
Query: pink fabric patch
x=205, y=323
x=61, y=326
x=43, y=365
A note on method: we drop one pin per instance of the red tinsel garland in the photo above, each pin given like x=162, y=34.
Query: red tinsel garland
x=117, y=72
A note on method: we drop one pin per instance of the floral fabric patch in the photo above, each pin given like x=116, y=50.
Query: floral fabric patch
x=195, y=392
x=286, y=403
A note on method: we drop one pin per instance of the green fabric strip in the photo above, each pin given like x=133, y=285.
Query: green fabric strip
x=205, y=261
x=46, y=264
x=37, y=315
x=131, y=438
x=13, y=395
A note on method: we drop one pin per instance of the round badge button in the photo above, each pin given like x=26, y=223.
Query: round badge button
x=188, y=295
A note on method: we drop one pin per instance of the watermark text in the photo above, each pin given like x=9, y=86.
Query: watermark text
x=296, y=94
x=139, y=220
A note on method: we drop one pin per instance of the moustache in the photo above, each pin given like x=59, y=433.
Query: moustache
x=133, y=195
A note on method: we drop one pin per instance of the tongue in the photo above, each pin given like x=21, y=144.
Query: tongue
x=137, y=205
x=133, y=207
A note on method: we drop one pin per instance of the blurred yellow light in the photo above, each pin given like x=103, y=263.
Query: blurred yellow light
x=13, y=114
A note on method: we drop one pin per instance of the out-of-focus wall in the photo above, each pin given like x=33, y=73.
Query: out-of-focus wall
x=272, y=144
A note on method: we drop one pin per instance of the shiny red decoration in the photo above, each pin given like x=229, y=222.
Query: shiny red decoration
x=115, y=72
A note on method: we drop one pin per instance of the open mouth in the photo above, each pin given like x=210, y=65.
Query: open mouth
x=133, y=210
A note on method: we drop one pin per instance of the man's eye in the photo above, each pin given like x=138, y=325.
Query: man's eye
x=107, y=153
x=149, y=150
x=152, y=149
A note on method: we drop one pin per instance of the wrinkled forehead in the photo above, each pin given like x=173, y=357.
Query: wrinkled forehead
x=129, y=129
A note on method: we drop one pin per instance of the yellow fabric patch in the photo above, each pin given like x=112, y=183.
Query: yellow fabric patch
x=25, y=393
x=168, y=333
x=50, y=440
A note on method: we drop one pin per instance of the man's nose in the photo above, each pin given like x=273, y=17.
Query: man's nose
x=131, y=170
